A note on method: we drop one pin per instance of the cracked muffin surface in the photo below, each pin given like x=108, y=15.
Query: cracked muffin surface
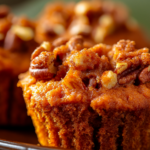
x=89, y=98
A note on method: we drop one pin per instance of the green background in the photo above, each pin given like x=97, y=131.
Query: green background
x=139, y=9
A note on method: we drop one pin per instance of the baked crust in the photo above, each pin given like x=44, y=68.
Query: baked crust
x=95, y=98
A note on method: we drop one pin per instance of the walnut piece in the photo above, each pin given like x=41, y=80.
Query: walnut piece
x=106, y=21
x=145, y=75
x=46, y=45
x=106, y=27
x=82, y=8
x=80, y=29
x=24, y=33
x=109, y=79
x=120, y=67
x=59, y=29
x=75, y=43
x=100, y=34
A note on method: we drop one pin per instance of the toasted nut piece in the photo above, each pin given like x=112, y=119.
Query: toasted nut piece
x=106, y=27
x=109, y=79
x=121, y=67
x=82, y=8
x=80, y=26
x=75, y=43
x=129, y=78
x=25, y=33
x=59, y=29
x=79, y=60
x=41, y=73
x=36, y=52
x=1, y=36
x=60, y=41
x=100, y=34
x=43, y=67
x=106, y=21
x=73, y=81
x=144, y=76
x=80, y=29
x=46, y=45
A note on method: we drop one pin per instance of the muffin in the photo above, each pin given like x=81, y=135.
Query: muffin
x=5, y=80
x=16, y=45
x=96, y=21
x=89, y=98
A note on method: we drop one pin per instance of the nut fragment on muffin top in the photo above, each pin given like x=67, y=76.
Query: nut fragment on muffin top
x=96, y=21
x=75, y=65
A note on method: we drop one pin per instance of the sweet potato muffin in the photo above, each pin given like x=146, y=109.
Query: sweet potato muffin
x=5, y=81
x=90, y=98
x=96, y=21
x=16, y=45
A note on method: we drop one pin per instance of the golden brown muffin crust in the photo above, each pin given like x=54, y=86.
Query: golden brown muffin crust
x=94, y=96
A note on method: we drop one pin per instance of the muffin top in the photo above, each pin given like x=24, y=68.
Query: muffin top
x=96, y=21
x=16, y=33
x=16, y=41
x=74, y=72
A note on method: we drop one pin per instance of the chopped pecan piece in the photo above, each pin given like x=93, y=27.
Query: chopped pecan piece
x=80, y=26
x=42, y=65
x=60, y=41
x=145, y=75
x=45, y=46
x=75, y=43
x=129, y=61
x=128, y=78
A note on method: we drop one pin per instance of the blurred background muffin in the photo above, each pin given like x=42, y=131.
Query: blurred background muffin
x=139, y=10
x=16, y=45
